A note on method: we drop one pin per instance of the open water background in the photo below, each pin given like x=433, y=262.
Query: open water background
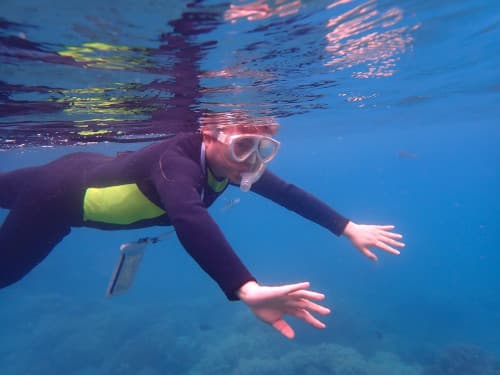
x=389, y=112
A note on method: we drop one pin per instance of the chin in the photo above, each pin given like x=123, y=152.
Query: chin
x=235, y=179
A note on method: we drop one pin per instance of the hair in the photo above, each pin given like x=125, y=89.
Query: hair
x=237, y=122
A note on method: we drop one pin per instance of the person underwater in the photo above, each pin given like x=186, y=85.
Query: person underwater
x=173, y=183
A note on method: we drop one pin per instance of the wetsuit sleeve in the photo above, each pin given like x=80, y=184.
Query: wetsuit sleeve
x=177, y=180
x=300, y=201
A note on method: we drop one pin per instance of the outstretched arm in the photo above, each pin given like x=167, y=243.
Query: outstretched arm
x=308, y=206
x=198, y=233
x=271, y=303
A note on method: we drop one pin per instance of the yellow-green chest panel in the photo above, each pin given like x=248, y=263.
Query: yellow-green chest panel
x=121, y=204
x=216, y=185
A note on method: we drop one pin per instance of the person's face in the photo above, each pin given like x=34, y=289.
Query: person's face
x=220, y=156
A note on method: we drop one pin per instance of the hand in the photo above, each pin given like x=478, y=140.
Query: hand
x=270, y=303
x=380, y=236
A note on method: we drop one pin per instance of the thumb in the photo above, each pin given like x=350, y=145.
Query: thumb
x=368, y=253
x=284, y=328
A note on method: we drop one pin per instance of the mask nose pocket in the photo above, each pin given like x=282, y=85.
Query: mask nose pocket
x=252, y=159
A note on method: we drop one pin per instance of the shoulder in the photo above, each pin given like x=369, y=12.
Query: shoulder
x=180, y=157
x=182, y=144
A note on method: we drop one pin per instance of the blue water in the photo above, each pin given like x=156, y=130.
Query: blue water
x=389, y=112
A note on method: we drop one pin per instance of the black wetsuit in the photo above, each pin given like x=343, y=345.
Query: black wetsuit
x=169, y=177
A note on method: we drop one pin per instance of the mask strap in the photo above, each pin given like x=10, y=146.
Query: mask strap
x=203, y=164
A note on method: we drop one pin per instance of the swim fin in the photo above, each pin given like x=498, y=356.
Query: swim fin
x=131, y=254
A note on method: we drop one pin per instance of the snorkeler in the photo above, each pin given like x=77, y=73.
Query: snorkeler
x=172, y=182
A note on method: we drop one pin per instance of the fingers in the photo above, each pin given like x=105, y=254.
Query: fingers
x=295, y=301
x=291, y=288
x=383, y=246
x=302, y=309
x=307, y=317
x=299, y=305
x=390, y=238
x=391, y=234
x=392, y=242
x=385, y=227
x=308, y=305
x=388, y=231
x=308, y=294
x=284, y=328
x=301, y=299
x=387, y=240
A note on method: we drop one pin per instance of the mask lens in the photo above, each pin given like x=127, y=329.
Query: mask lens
x=243, y=147
x=267, y=149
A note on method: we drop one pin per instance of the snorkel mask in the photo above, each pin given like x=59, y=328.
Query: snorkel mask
x=254, y=149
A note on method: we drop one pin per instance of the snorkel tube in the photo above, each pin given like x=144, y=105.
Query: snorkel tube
x=249, y=178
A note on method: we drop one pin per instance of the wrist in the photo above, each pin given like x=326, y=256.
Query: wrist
x=246, y=289
x=349, y=229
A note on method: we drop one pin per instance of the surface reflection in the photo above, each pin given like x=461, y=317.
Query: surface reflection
x=278, y=58
x=262, y=9
x=108, y=91
x=364, y=35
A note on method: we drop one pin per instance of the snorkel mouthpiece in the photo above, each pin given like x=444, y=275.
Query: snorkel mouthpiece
x=246, y=182
x=249, y=178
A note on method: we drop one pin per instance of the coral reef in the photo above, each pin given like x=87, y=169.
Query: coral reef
x=463, y=359
x=188, y=338
x=258, y=353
